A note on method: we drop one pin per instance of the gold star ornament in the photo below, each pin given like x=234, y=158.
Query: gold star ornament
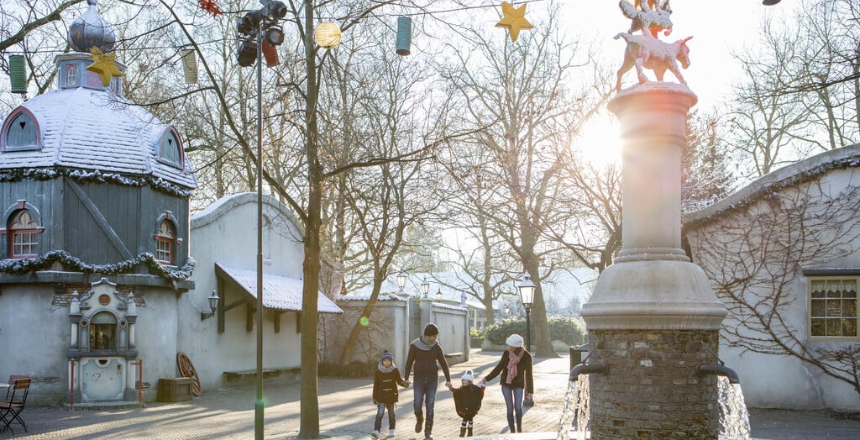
x=105, y=65
x=514, y=20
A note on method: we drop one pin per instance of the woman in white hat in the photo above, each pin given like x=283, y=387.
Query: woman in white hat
x=516, y=369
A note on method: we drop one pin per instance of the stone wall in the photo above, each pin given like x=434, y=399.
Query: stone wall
x=652, y=390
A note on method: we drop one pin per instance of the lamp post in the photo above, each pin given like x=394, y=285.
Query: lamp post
x=401, y=280
x=527, y=295
x=425, y=287
x=439, y=294
x=251, y=29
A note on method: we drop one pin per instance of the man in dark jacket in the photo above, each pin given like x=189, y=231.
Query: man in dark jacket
x=425, y=352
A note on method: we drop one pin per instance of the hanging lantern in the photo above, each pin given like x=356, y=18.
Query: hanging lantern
x=270, y=54
x=189, y=65
x=18, y=73
x=327, y=35
x=404, y=35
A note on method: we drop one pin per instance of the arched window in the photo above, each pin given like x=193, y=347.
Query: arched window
x=72, y=76
x=103, y=331
x=21, y=132
x=170, y=149
x=23, y=235
x=165, y=240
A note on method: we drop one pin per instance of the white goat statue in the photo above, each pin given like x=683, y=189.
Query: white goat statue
x=651, y=53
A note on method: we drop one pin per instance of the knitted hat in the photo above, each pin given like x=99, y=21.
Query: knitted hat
x=387, y=355
x=468, y=376
x=431, y=330
x=514, y=340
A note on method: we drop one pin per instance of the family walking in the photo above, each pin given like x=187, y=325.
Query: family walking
x=427, y=357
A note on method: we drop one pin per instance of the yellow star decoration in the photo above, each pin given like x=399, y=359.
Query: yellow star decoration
x=103, y=64
x=514, y=20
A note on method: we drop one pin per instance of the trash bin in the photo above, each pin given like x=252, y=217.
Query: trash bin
x=576, y=354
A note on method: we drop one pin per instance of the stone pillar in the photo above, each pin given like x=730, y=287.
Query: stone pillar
x=653, y=316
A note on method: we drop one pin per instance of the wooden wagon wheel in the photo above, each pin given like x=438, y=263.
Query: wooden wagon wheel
x=187, y=369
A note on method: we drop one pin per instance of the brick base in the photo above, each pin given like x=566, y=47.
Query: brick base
x=652, y=390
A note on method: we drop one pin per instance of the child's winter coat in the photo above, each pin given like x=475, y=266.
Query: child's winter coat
x=385, y=386
x=467, y=399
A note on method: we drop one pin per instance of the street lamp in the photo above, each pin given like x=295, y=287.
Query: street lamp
x=527, y=295
x=507, y=311
x=439, y=294
x=213, y=306
x=401, y=280
x=252, y=28
x=425, y=287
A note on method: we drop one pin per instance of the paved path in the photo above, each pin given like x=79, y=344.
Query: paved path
x=347, y=412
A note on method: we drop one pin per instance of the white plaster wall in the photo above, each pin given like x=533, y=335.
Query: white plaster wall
x=226, y=233
x=453, y=323
x=771, y=381
x=387, y=330
x=34, y=339
x=155, y=337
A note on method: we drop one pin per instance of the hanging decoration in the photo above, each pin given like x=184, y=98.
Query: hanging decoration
x=210, y=7
x=404, y=35
x=327, y=35
x=189, y=65
x=514, y=19
x=18, y=73
x=270, y=53
x=105, y=65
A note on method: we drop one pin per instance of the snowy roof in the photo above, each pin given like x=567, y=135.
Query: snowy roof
x=812, y=167
x=279, y=292
x=96, y=130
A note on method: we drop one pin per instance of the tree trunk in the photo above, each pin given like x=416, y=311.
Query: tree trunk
x=309, y=409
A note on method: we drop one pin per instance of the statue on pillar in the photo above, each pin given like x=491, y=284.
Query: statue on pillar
x=647, y=51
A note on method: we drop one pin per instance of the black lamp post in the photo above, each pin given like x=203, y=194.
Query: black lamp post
x=425, y=287
x=439, y=294
x=252, y=28
x=527, y=295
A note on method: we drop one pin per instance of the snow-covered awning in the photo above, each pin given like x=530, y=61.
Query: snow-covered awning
x=279, y=292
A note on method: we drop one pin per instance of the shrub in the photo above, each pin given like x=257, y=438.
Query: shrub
x=478, y=334
x=568, y=330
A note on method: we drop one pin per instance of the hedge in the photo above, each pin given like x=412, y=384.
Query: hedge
x=568, y=330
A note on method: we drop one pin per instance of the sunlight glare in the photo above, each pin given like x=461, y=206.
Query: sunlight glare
x=600, y=143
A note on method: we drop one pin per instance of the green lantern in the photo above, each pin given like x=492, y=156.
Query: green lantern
x=404, y=35
x=18, y=73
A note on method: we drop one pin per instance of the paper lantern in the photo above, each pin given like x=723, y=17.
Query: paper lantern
x=189, y=65
x=404, y=35
x=270, y=54
x=327, y=35
x=18, y=73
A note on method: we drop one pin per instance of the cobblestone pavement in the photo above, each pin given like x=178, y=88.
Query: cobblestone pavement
x=347, y=412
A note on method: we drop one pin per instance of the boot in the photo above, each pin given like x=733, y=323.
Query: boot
x=462, y=432
x=419, y=421
x=469, y=432
x=428, y=428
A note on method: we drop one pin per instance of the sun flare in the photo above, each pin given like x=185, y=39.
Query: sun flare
x=600, y=143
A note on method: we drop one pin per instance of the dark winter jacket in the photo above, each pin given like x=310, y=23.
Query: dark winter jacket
x=467, y=399
x=425, y=362
x=524, y=372
x=385, y=386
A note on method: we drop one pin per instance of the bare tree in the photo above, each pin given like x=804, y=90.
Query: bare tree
x=754, y=254
x=523, y=90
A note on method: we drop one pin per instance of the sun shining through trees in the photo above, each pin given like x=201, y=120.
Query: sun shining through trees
x=600, y=144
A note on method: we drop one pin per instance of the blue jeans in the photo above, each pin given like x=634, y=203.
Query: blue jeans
x=380, y=412
x=424, y=391
x=514, y=402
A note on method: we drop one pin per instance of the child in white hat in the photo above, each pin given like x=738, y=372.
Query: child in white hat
x=467, y=400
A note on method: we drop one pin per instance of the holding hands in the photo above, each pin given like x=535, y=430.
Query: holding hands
x=375, y=402
x=449, y=386
x=406, y=384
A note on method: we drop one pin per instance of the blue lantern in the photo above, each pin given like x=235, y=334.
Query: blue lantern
x=404, y=35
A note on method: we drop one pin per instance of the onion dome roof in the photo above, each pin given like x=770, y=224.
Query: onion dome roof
x=91, y=30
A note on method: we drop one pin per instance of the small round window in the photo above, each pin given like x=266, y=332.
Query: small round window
x=104, y=300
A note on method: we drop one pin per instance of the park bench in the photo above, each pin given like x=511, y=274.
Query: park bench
x=236, y=376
